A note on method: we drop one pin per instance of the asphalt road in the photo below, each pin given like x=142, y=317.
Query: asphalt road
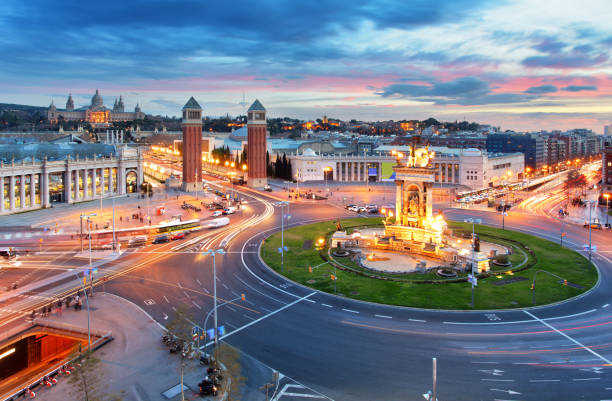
x=349, y=350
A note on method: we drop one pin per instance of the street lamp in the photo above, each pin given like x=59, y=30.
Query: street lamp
x=81, y=221
x=87, y=303
x=213, y=252
x=326, y=170
x=590, y=222
x=607, y=196
x=473, y=280
x=282, y=248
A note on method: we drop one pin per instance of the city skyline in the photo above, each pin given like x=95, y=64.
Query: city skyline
x=517, y=65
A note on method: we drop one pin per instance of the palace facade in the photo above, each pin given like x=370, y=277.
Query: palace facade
x=95, y=113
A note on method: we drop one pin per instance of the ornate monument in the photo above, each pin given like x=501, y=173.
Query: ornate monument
x=415, y=229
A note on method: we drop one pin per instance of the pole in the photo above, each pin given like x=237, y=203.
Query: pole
x=473, y=243
x=590, y=207
x=81, y=235
x=607, y=209
x=114, y=239
x=282, y=238
x=435, y=373
x=90, y=266
x=215, y=295
x=562, y=233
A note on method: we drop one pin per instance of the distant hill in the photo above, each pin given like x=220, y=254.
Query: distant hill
x=21, y=107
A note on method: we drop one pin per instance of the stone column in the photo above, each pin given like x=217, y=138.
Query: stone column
x=1, y=194
x=94, y=175
x=102, y=181
x=44, y=189
x=68, y=186
x=33, y=190
x=399, y=190
x=121, y=179
x=110, y=180
x=22, y=195
x=12, y=193
x=77, y=185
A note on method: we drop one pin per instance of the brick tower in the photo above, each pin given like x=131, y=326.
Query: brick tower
x=192, y=146
x=256, y=145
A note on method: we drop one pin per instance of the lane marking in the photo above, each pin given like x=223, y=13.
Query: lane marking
x=590, y=378
x=384, y=316
x=197, y=306
x=230, y=308
x=256, y=290
x=248, y=317
x=497, y=380
x=166, y=298
x=417, y=320
x=226, y=287
x=349, y=310
x=326, y=305
x=605, y=306
x=568, y=337
x=523, y=321
x=544, y=381
x=493, y=363
x=198, y=281
x=238, y=330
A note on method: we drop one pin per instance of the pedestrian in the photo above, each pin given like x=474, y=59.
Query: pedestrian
x=42, y=312
x=121, y=219
x=33, y=315
x=59, y=307
x=49, y=310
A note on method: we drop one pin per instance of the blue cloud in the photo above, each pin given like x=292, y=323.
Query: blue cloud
x=579, y=88
x=542, y=89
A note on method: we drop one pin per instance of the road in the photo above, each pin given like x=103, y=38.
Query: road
x=341, y=349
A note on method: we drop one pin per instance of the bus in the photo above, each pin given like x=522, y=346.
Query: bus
x=125, y=234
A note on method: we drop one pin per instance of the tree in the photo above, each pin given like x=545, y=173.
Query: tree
x=575, y=180
x=180, y=327
x=86, y=379
x=269, y=168
x=230, y=358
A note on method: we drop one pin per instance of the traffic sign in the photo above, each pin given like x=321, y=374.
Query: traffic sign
x=593, y=247
x=210, y=333
x=473, y=280
x=221, y=330
x=194, y=333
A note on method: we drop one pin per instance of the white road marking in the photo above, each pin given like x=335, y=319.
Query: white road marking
x=384, y=316
x=238, y=330
x=417, y=320
x=248, y=317
x=497, y=380
x=494, y=372
x=165, y=316
x=544, y=380
x=510, y=392
x=179, y=284
x=326, y=305
x=349, y=310
x=185, y=292
x=522, y=321
x=568, y=337
x=226, y=287
x=205, y=290
x=605, y=306
x=166, y=299
x=492, y=363
x=198, y=281
x=198, y=306
x=257, y=291
x=230, y=308
x=311, y=301
x=590, y=378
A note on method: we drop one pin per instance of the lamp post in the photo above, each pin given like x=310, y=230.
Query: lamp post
x=607, y=196
x=90, y=266
x=590, y=207
x=81, y=221
x=282, y=248
x=215, y=309
x=214, y=253
x=87, y=304
x=478, y=221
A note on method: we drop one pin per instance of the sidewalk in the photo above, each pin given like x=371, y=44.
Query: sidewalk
x=135, y=364
x=64, y=218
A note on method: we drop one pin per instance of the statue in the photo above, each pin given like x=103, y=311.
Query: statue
x=339, y=226
x=413, y=203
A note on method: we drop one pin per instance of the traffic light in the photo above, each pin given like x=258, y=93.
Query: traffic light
x=242, y=297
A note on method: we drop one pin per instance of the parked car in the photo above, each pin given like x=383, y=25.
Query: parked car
x=177, y=236
x=161, y=239
x=217, y=213
x=267, y=188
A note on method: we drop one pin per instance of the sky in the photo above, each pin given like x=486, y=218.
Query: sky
x=522, y=65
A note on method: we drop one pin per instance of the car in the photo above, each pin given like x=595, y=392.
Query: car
x=177, y=236
x=207, y=387
x=594, y=226
x=362, y=209
x=229, y=210
x=348, y=207
x=267, y=188
x=373, y=210
x=354, y=209
x=244, y=201
x=161, y=239
x=217, y=213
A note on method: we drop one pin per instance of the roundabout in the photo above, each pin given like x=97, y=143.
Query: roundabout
x=542, y=271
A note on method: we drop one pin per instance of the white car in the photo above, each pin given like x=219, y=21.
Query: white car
x=354, y=209
x=217, y=213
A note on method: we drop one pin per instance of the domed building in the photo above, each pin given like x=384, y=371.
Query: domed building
x=95, y=113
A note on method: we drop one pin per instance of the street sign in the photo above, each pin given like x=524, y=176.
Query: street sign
x=194, y=333
x=564, y=234
x=210, y=334
x=473, y=280
x=221, y=330
x=593, y=247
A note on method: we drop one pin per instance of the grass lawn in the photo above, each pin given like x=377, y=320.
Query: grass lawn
x=548, y=256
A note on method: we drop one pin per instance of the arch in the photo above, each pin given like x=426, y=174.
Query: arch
x=131, y=181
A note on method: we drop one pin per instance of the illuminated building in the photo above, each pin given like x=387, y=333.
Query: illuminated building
x=256, y=145
x=95, y=113
x=192, y=145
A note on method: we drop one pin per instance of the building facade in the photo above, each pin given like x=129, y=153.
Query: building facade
x=256, y=145
x=532, y=146
x=66, y=173
x=606, y=173
x=192, y=146
x=95, y=113
x=471, y=168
